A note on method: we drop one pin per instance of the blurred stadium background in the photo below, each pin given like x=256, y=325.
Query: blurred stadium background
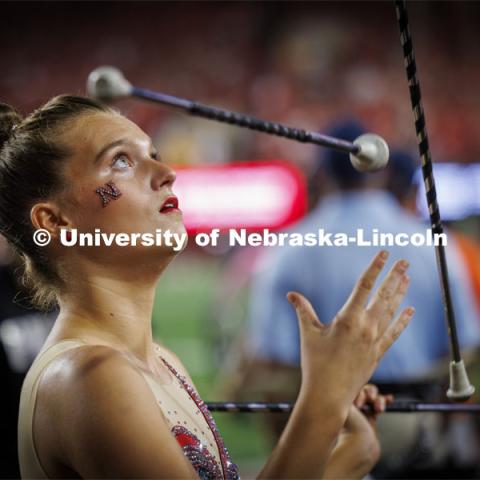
x=303, y=64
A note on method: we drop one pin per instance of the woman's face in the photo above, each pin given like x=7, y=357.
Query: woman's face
x=110, y=148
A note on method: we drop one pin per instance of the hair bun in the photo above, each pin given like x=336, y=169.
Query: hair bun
x=9, y=117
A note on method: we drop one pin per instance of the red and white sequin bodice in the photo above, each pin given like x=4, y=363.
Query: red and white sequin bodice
x=193, y=426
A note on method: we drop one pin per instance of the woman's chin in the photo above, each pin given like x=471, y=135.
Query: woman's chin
x=171, y=249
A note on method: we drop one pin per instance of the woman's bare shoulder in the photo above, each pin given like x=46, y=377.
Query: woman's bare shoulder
x=85, y=359
x=96, y=406
x=81, y=372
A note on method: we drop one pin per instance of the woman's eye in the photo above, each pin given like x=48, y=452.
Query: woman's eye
x=121, y=161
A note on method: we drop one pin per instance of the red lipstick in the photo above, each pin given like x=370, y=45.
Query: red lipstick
x=170, y=205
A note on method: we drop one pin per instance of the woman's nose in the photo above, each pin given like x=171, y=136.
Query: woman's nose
x=163, y=175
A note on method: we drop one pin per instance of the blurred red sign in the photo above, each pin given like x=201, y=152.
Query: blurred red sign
x=250, y=195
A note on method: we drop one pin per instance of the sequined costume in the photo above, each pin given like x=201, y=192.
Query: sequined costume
x=185, y=413
x=202, y=460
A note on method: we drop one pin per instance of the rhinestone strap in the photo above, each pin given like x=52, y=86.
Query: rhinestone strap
x=230, y=470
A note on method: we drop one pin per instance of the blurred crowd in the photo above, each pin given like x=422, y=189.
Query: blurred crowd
x=302, y=64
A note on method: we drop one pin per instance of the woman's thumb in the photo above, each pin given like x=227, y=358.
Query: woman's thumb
x=305, y=312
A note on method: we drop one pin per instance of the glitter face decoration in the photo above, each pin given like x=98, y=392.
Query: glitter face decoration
x=108, y=192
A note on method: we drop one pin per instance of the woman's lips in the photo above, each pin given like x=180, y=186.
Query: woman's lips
x=170, y=205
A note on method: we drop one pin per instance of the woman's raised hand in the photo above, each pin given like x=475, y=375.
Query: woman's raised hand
x=338, y=359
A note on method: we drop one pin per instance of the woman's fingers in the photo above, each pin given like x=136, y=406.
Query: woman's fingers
x=394, y=330
x=371, y=392
x=374, y=398
x=388, y=294
x=385, y=311
x=367, y=395
x=361, y=398
x=364, y=285
x=305, y=312
x=379, y=404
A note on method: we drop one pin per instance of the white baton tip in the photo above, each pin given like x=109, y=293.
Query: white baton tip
x=373, y=153
x=108, y=83
x=460, y=387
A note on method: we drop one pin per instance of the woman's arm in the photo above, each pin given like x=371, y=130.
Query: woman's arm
x=103, y=420
x=337, y=360
x=307, y=441
x=358, y=448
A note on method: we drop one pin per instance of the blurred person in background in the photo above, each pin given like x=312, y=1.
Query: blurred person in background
x=403, y=178
x=404, y=182
x=23, y=330
x=403, y=185
x=102, y=399
x=350, y=201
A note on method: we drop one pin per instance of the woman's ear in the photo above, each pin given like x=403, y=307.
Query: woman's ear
x=47, y=216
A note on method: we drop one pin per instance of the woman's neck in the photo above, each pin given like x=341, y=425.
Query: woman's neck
x=112, y=311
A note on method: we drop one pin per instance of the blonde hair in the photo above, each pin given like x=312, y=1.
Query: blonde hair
x=31, y=157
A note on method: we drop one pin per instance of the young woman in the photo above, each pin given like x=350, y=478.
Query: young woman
x=102, y=400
